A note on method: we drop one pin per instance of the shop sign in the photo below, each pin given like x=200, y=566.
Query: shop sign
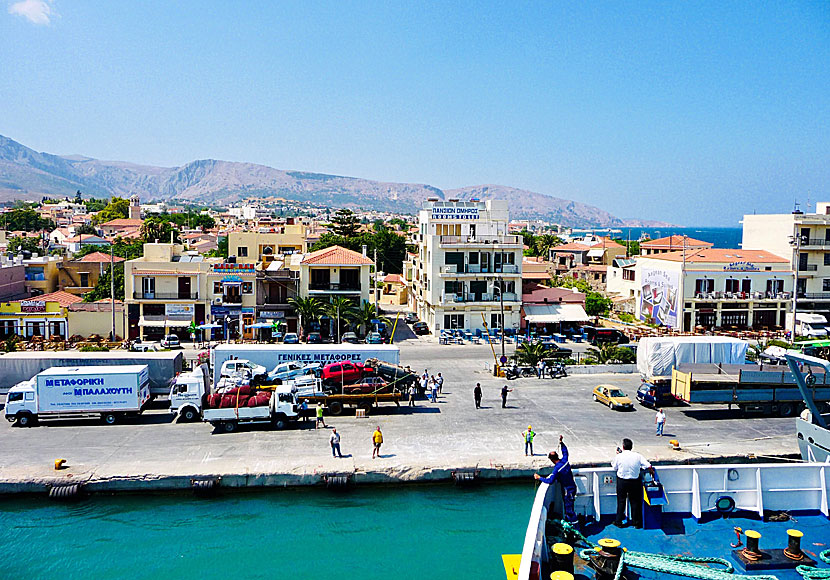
x=248, y=310
x=232, y=279
x=741, y=267
x=455, y=213
x=272, y=314
x=32, y=306
x=219, y=310
x=179, y=309
x=234, y=268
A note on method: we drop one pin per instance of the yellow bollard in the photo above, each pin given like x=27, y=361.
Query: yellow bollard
x=675, y=444
x=59, y=463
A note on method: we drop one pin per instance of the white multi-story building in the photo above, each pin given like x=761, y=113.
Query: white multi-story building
x=803, y=239
x=468, y=269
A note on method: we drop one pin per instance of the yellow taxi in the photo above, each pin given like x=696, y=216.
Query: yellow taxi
x=612, y=396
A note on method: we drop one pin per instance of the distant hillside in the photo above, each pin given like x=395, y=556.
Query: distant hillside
x=27, y=174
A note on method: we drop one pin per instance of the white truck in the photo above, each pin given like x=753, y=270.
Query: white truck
x=61, y=392
x=187, y=393
x=269, y=356
x=810, y=324
x=280, y=410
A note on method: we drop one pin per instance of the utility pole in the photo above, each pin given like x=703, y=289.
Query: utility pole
x=375, y=287
x=501, y=304
x=112, y=290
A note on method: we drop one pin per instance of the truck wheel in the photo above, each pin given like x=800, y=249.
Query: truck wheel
x=366, y=406
x=25, y=420
x=229, y=426
x=109, y=418
x=188, y=414
x=280, y=422
x=786, y=410
x=335, y=407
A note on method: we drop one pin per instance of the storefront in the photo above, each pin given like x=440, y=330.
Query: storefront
x=45, y=316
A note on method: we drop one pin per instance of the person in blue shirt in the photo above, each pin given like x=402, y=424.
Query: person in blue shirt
x=563, y=474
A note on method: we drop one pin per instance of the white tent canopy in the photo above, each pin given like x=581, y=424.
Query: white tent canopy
x=550, y=313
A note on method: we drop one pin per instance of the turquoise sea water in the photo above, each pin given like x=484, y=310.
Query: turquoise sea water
x=422, y=531
x=720, y=237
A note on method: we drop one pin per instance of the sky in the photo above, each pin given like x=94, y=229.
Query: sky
x=688, y=112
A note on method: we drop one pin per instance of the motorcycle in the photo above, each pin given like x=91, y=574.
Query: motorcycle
x=557, y=370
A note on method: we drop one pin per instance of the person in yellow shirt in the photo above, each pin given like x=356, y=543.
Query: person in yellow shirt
x=377, y=439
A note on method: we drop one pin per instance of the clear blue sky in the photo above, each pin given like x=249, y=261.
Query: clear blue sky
x=689, y=112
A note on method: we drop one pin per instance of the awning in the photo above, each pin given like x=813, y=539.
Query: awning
x=169, y=322
x=596, y=253
x=546, y=313
x=177, y=322
x=154, y=323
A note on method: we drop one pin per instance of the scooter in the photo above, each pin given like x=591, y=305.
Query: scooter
x=557, y=370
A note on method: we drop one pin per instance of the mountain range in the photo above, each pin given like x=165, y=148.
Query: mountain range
x=29, y=175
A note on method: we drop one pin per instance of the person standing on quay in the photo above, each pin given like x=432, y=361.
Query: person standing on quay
x=629, y=465
x=320, y=420
x=335, y=443
x=528, y=437
x=660, y=421
x=504, y=391
x=439, y=382
x=434, y=386
x=412, y=390
x=477, y=395
x=377, y=441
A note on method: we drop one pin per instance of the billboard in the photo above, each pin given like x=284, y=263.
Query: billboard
x=79, y=391
x=660, y=297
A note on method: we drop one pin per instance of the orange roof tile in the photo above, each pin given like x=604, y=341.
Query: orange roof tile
x=61, y=297
x=721, y=255
x=100, y=257
x=393, y=279
x=123, y=223
x=336, y=256
x=571, y=246
x=671, y=242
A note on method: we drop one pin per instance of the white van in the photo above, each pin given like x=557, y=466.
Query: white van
x=810, y=324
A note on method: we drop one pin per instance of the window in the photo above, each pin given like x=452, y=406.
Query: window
x=746, y=285
x=84, y=280
x=495, y=320
x=217, y=287
x=731, y=285
x=825, y=285
x=628, y=274
x=148, y=287
x=703, y=285
x=827, y=256
x=774, y=287
x=453, y=287
x=247, y=287
x=453, y=321
x=242, y=251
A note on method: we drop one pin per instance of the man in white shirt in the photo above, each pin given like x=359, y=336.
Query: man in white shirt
x=660, y=421
x=629, y=465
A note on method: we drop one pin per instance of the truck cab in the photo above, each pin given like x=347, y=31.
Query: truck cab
x=655, y=394
x=21, y=403
x=187, y=394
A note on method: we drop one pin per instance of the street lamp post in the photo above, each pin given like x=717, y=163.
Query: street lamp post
x=500, y=288
x=795, y=241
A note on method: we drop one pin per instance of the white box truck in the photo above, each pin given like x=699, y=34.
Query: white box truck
x=810, y=324
x=271, y=355
x=60, y=392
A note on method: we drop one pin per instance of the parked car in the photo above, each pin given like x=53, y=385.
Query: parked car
x=420, y=328
x=171, y=341
x=411, y=318
x=291, y=338
x=314, y=338
x=556, y=351
x=366, y=386
x=612, y=396
x=349, y=337
x=292, y=369
x=657, y=394
x=603, y=335
x=344, y=373
x=374, y=338
x=139, y=346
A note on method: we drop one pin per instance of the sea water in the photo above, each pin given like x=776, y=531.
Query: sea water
x=720, y=237
x=402, y=532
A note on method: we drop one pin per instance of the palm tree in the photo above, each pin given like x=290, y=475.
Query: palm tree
x=610, y=353
x=363, y=316
x=308, y=309
x=338, y=308
x=544, y=243
x=530, y=353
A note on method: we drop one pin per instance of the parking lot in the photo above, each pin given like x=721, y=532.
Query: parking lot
x=449, y=434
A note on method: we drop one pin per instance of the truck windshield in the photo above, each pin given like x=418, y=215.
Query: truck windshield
x=15, y=397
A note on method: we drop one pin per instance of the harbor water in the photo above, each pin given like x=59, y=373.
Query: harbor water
x=418, y=531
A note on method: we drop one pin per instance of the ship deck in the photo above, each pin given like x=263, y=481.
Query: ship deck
x=687, y=536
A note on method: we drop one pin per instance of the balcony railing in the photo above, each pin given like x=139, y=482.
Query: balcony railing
x=807, y=267
x=480, y=240
x=478, y=269
x=743, y=296
x=334, y=287
x=452, y=298
x=166, y=295
x=231, y=299
x=817, y=242
x=814, y=295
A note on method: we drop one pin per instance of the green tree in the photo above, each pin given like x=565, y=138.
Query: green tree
x=78, y=197
x=345, y=223
x=544, y=243
x=190, y=219
x=571, y=282
x=222, y=248
x=340, y=308
x=117, y=208
x=530, y=353
x=102, y=287
x=632, y=247
x=309, y=310
x=94, y=205
x=86, y=229
x=596, y=304
x=610, y=353
x=399, y=222
x=158, y=229
x=363, y=315
x=26, y=220
x=18, y=244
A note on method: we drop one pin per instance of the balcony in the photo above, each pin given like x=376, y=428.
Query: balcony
x=494, y=240
x=819, y=242
x=807, y=267
x=814, y=295
x=468, y=297
x=333, y=287
x=165, y=295
x=454, y=269
x=743, y=296
x=230, y=299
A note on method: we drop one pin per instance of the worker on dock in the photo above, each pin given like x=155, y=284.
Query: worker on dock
x=377, y=441
x=477, y=395
x=528, y=437
x=564, y=475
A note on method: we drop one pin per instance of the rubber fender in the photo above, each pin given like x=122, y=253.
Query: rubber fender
x=336, y=481
x=65, y=492
x=207, y=486
x=465, y=477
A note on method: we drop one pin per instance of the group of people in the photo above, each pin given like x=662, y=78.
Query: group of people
x=334, y=442
x=629, y=466
x=477, y=395
x=431, y=384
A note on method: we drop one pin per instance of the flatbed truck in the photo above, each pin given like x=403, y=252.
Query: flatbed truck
x=281, y=410
x=770, y=390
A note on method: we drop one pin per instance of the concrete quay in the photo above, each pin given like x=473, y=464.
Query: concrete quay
x=423, y=444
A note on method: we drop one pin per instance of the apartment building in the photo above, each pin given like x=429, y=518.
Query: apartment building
x=803, y=239
x=673, y=243
x=80, y=276
x=710, y=288
x=41, y=274
x=267, y=244
x=468, y=269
